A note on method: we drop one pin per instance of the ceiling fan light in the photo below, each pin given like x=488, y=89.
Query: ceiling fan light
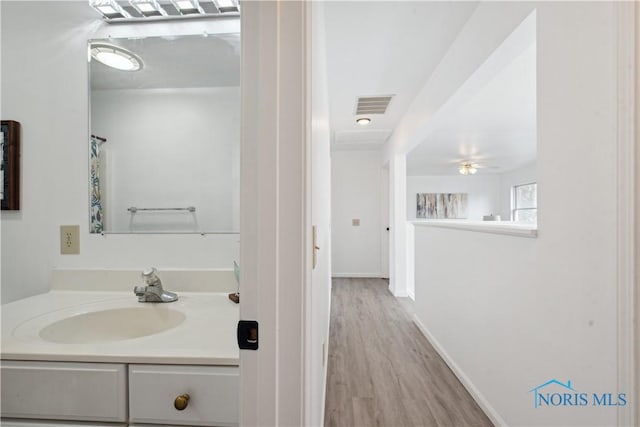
x=467, y=169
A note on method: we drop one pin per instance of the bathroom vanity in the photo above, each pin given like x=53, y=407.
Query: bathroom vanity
x=120, y=393
x=102, y=357
x=163, y=161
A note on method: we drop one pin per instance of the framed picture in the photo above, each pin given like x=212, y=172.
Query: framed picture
x=441, y=205
x=10, y=165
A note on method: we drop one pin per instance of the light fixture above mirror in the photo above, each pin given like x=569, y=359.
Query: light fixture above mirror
x=187, y=7
x=151, y=10
x=110, y=9
x=148, y=7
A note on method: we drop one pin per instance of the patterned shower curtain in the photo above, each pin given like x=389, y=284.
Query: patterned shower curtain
x=97, y=218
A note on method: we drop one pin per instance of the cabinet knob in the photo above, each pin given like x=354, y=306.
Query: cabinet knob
x=181, y=402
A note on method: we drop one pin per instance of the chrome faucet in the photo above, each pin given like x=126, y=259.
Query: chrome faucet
x=153, y=292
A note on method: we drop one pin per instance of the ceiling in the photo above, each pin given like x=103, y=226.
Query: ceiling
x=394, y=50
x=174, y=62
x=494, y=127
x=383, y=48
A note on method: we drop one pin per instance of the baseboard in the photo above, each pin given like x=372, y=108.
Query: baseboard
x=399, y=294
x=356, y=275
x=326, y=361
x=493, y=415
x=326, y=371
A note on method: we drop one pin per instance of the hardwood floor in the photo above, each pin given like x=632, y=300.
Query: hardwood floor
x=382, y=371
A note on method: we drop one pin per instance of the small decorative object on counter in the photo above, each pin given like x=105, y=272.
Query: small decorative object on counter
x=491, y=217
x=235, y=297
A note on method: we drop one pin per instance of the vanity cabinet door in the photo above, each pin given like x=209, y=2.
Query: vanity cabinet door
x=64, y=391
x=213, y=395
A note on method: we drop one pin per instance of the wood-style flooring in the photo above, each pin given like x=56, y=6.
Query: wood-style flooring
x=382, y=371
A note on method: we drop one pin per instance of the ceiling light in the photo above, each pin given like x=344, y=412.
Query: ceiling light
x=363, y=121
x=187, y=7
x=115, y=57
x=109, y=9
x=138, y=10
x=467, y=169
x=148, y=7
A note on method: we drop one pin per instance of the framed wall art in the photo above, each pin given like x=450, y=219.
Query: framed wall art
x=441, y=205
x=10, y=165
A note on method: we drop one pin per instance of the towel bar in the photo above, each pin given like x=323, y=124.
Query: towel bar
x=134, y=209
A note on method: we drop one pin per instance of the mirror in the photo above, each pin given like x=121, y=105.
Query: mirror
x=165, y=139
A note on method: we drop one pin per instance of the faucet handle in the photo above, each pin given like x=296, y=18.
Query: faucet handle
x=149, y=272
x=150, y=277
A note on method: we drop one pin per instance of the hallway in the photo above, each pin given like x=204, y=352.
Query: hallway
x=382, y=371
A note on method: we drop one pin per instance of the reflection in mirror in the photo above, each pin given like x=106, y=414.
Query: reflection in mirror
x=165, y=139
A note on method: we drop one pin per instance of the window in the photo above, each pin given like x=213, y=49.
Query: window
x=525, y=203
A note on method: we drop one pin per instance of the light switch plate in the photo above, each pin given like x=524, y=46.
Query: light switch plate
x=69, y=239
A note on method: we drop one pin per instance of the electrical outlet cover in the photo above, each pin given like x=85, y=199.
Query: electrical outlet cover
x=69, y=239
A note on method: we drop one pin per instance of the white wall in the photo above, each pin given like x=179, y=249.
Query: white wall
x=169, y=148
x=355, y=194
x=524, y=175
x=44, y=86
x=398, y=258
x=484, y=31
x=512, y=313
x=482, y=192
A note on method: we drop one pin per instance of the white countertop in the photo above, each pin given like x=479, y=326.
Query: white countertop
x=206, y=337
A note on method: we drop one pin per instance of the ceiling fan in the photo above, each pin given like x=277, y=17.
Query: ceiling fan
x=470, y=167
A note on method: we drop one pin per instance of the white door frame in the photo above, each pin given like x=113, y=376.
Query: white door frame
x=384, y=223
x=273, y=210
x=637, y=221
x=627, y=74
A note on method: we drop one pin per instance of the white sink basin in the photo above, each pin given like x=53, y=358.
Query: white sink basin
x=113, y=327
x=116, y=324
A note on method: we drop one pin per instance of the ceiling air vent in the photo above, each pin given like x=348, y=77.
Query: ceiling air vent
x=372, y=104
